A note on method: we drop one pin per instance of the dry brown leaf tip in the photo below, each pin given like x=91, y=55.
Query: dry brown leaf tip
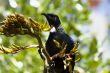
x=19, y=24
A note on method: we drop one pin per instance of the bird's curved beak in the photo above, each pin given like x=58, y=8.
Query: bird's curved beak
x=51, y=26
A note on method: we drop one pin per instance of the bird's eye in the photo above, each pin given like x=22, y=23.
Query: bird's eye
x=55, y=18
x=51, y=17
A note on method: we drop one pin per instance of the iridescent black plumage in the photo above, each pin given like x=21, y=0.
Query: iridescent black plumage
x=62, y=37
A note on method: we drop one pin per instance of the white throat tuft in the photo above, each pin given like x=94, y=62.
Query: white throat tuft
x=53, y=29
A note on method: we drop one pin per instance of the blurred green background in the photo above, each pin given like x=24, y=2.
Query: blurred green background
x=74, y=15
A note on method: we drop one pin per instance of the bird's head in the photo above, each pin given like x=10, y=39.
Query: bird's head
x=52, y=19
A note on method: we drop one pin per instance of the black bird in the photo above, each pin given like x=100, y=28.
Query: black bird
x=61, y=36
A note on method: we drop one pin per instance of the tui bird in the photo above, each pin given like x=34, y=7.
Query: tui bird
x=57, y=33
